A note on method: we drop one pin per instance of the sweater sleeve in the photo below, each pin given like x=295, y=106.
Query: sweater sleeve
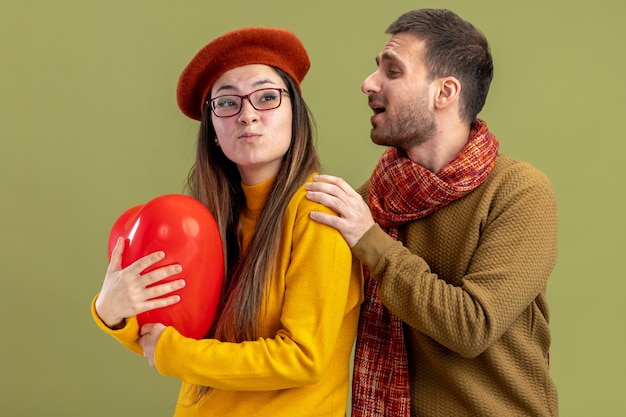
x=317, y=293
x=508, y=268
x=128, y=335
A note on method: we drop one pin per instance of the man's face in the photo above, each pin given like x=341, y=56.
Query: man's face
x=400, y=95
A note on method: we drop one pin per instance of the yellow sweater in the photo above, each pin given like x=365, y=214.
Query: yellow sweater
x=300, y=364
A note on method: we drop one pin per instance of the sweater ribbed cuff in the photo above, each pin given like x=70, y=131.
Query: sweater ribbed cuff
x=372, y=246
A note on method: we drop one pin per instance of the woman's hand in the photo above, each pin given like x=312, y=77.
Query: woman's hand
x=150, y=334
x=126, y=292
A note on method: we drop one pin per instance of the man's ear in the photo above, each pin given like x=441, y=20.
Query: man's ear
x=448, y=92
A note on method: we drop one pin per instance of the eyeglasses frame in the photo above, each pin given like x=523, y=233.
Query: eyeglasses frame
x=209, y=102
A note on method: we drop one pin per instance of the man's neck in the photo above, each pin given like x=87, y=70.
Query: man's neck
x=437, y=152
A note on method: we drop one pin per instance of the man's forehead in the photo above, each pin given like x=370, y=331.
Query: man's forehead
x=401, y=46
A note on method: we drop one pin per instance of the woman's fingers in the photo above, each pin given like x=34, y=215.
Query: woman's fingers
x=129, y=291
x=163, y=289
x=160, y=302
x=159, y=274
x=115, y=263
x=137, y=267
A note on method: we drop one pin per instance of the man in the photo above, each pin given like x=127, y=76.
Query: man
x=458, y=241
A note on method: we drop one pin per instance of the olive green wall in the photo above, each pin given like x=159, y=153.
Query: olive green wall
x=89, y=127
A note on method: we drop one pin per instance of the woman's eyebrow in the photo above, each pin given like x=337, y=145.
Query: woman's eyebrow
x=255, y=84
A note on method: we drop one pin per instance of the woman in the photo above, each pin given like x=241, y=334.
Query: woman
x=286, y=324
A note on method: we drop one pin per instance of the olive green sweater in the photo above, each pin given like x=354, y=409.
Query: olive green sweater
x=469, y=282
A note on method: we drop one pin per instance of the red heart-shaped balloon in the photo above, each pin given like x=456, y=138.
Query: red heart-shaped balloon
x=186, y=231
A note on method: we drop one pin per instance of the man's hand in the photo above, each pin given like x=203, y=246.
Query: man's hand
x=353, y=217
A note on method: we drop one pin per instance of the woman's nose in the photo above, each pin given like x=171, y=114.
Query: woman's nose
x=248, y=114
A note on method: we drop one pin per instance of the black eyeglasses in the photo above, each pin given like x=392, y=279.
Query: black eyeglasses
x=231, y=104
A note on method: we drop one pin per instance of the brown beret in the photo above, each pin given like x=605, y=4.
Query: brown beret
x=253, y=45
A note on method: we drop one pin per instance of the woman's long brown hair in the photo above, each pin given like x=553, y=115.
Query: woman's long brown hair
x=215, y=181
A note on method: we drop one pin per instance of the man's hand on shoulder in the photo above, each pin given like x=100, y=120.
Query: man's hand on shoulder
x=353, y=217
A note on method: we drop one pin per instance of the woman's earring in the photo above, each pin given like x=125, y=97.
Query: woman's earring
x=217, y=142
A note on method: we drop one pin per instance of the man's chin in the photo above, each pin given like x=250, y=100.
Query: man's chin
x=379, y=139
